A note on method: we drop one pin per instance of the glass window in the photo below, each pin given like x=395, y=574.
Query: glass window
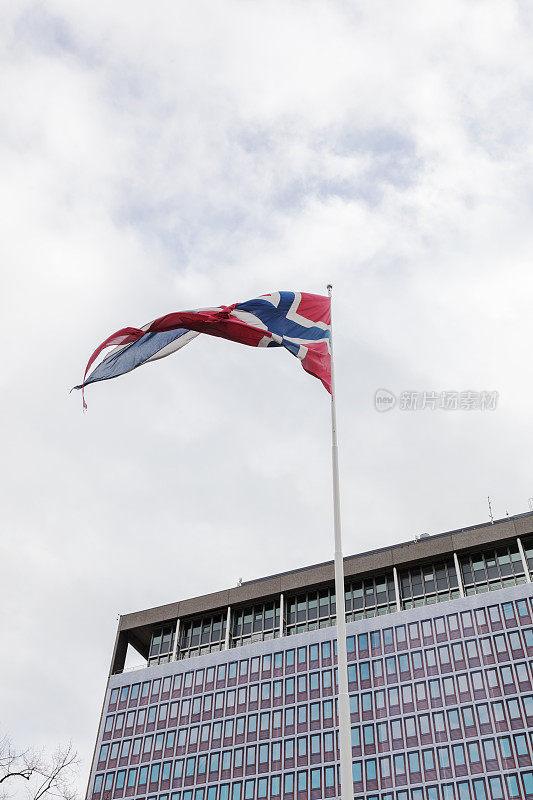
x=202, y=635
x=492, y=569
x=143, y=775
x=368, y=734
x=370, y=769
x=396, y=729
x=384, y=767
x=483, y=714
x=498, y=712
x=458, y=755
x=370, y=597
x=514, y=709
x=226, y=759
x=453, y=720
x=430, y=583
x=489, y=750
x=399, y=764
x=382, y=732
x=423, y=723
x=473, y=752
x=496, y=789
x=513, y=789
x=463, y=790
x=414, y=762
x=527, y=779
x=438, y=721
x=505, y=747
x=528, y=705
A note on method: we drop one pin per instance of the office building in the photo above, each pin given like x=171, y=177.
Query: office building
x=237, y=697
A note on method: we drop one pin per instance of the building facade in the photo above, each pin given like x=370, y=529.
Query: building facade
x=238, y=697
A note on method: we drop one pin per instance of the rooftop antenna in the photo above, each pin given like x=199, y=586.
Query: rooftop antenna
x=490, y=511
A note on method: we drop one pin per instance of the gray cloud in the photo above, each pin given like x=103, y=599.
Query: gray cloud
x=174, y=155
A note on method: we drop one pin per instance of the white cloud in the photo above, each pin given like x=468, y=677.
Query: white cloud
x=171, y=155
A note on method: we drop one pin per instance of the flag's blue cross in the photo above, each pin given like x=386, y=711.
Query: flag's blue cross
x=276, y=320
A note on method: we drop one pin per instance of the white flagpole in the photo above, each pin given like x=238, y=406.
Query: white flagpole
x=345, y=736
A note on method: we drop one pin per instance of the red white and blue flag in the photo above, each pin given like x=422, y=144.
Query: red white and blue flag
x=299, y=322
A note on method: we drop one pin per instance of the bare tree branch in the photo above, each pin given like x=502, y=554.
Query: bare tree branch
x=46, y=776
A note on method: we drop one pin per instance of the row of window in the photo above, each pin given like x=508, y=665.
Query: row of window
x=315, y=609
x=441, y=660
x=258, y=623
x=368, y=597
x=285, y=785
x=459, y=722
x=224, y=675
x=284, y=661
x=119, y=725
x=425, y=664
x=432, y=583
x=448, y=725
x=439, y=629
x=316, y=783
x=485, y=754
x=450, y=690
x=443, y=628
x=492, y=569
x=494, y=681
x=204, y=634
x=453, y=723
x=261, y=755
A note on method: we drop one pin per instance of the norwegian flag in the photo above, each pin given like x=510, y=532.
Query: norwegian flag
x=298, y=321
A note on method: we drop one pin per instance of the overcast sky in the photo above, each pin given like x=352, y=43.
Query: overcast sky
x=161, y=156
